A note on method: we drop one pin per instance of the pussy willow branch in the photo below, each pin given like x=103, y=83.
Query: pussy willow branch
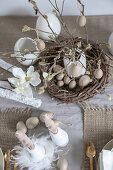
x=62, y=7
x=86, y=31
x=36, y=9
x=36, y=29
x=82, y=12
x=61, y=18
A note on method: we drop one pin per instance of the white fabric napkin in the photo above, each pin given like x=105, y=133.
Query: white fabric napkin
x=106, y=160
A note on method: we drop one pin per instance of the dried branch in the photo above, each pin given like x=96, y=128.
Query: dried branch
x=82, y=11
x=62, y=7
x=44, y=16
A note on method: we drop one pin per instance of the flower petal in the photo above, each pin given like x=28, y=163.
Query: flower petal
x=26, y=91
x=13, y=81
x=19, y=73
x=30, y=71
x=45, y=74
x=35, y=79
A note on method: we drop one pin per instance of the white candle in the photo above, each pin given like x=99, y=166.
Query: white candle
x=24, y=139
x=58, y=136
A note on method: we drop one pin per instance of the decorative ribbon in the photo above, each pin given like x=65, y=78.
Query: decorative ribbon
x=6, y=90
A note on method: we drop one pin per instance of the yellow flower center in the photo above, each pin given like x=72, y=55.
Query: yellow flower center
x=27, y=78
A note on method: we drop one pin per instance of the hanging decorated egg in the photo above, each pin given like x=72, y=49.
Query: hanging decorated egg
x=68, y=64
x=98, y=73
x=41, y=45
x=84, y=81
x=110, y=41
x=82, y=21
x=42, y=25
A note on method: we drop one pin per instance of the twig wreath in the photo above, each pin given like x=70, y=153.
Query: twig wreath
x=72, y=69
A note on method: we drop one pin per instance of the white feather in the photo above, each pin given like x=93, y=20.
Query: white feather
x=22, y=157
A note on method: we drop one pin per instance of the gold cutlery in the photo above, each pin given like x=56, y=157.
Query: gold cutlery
x=7, y=158
x=90, y=152
x=95, y=157
x=14, y=167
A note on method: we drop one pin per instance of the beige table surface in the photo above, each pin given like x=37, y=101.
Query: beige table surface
x=99, y=28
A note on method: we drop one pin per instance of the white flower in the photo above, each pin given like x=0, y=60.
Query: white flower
x=22, y=80
x=33, y=77
x=45, y=75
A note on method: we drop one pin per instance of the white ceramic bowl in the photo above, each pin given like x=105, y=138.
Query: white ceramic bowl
x=108, y=146
x=1, y=160
x=21, y=45
x=42, y=24
x=110, y=40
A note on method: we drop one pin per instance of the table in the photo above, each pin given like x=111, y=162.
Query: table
x=99, y=28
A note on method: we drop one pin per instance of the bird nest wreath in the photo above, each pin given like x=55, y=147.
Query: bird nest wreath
x=71, y=69
x=75, y=75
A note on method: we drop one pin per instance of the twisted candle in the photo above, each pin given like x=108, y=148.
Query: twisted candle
x=24, y=139
x=50, y=124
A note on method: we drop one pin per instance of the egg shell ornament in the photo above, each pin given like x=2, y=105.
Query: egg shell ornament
x=23, y=44
x=72, y=84
x=62, y=164
x=75, y=70
x=60, y=83
x=110, y=41
x=57, y=68
x=21, y=127
x=42, y=24
x=84, y=81
x=32, y=122
x=41, y=45
x=69, y=64
x=50, y=114
x=60, y=76
x=98, y=73
x=67, y=80
x=82, y=21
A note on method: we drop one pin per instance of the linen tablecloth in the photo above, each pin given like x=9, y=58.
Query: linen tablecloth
x=99, y=28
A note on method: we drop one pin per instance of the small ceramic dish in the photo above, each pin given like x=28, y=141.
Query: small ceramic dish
x=108, y=146
x=1, y=160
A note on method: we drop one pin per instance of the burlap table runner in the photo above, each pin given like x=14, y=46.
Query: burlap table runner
x=8, y=121
x=98, y=128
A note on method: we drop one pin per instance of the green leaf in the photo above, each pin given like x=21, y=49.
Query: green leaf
x=79, y=44
x=50, y=77
x=42, y=63
x=88, y=47
x=45, y=16
x=41, y=90
x=54, y=11
x=26, y=28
